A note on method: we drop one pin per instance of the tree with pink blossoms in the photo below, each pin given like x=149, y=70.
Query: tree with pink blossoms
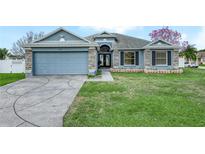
x=185, y=45
x=170, y=36
x=187, y=51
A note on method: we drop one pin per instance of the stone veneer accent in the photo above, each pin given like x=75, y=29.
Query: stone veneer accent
x=92, y=60
x=116, y=58
x=175, y=58
x=28, y=61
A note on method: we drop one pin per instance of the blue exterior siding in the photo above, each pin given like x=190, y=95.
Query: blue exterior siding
x=66, y=36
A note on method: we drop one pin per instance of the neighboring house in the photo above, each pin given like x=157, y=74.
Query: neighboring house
x=201, y=56
x=62, y=52
x=183, y=62
x=15, y=57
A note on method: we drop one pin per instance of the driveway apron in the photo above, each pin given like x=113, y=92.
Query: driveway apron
x=38, y=101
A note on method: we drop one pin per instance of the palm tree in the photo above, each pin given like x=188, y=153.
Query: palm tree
x=3, y=53
x=190, y=53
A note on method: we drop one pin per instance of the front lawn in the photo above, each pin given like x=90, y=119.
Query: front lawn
x=138, y=99
x=7, y=78
x=202, y=65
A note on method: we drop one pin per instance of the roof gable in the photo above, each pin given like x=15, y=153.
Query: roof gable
x=124, y=41
x=61, y=35
x=160, y=44
x=105, y=35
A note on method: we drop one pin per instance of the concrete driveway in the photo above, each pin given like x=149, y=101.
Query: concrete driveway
x=38, y=101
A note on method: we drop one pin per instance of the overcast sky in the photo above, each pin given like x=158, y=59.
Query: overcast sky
x=195, y=35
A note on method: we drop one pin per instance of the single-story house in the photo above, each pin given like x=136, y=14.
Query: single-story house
x=15, y=57
x=201, y=57
x=62, y=52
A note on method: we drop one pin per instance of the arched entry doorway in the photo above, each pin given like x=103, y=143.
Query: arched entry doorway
x=104, y=57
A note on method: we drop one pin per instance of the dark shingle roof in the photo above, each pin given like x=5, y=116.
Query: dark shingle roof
x=124, y=41
x=105, y=35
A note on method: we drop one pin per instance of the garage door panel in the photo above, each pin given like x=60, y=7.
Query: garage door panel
x=61, y=63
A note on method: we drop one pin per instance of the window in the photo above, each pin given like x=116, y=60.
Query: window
x=104, y=48
x=161, y=58
x=129, y=58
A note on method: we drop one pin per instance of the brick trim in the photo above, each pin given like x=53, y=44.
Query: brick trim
x=177, y=71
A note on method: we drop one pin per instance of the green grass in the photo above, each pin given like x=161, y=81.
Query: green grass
x=202, y=65
x=138, y=99
x=7, y=78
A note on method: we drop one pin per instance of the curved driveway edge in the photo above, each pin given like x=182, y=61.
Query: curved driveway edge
x=38, y=101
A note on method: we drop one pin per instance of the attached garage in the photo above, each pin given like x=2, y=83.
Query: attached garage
x=60, y=53
x=59, y=63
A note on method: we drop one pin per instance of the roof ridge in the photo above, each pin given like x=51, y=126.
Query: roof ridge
x=92, y=35
x=131, y=37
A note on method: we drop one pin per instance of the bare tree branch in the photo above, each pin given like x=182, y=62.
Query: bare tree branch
x=17, y=48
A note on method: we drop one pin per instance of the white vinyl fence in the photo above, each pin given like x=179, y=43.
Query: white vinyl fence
x=12, y=66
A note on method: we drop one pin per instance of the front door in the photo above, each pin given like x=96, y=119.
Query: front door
x=104, y=60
